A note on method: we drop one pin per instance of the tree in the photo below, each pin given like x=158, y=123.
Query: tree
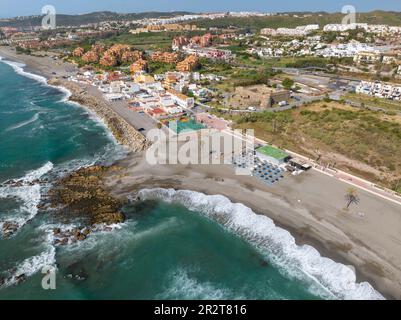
x=287, y=83
x=351, y=197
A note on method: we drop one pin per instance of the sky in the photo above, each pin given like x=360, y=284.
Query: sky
x=12, y=8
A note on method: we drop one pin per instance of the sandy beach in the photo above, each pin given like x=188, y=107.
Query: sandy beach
x=310, y=206
x=44, y=66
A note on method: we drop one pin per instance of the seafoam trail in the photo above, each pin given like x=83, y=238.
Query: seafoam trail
x=324, y=276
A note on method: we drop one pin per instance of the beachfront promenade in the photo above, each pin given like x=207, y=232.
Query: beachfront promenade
x=350, y=179
x=138, y=121
x=135, y=119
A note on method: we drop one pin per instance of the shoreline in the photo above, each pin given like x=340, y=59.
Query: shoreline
x=266, y=235
x=281, y=210
x=119, y=128
x=300, y=220
x=122, y=132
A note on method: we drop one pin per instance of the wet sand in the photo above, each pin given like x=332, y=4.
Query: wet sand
x=310, y=206
x=43, y=66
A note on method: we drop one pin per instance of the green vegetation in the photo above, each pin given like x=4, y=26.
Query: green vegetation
x=149, y=40
x=252, y=77
x=287, y=83
x=390, y=106
x=397, y=187
x=145, y=41
x=20, y=50
x=217, y=67
x=93, y=17
x=302, y=18
x=366, y=136
x=156, y=67
x=317, y=62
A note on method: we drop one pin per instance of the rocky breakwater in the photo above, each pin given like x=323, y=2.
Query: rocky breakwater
x=81, y=197
x=121, y=129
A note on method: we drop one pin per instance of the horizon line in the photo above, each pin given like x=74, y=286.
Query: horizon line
x=196, y=12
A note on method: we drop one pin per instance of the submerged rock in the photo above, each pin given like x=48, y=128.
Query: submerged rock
x=20, y=278
x=9, y=228
x=77, y=272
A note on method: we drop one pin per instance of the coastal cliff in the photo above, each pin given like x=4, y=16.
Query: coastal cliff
x=121, y=130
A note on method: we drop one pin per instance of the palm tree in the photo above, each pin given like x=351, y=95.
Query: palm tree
x=351, y=197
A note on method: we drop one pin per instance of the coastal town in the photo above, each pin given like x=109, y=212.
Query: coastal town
x=206, y=76
x=322, y=99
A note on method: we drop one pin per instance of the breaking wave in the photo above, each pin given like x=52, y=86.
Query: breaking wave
x=331, y=280
x=182, y=286
x=24, y=123
x=26, y=191
x=19, y=68
x=31, y=265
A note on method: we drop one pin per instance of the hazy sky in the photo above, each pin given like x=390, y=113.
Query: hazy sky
x=11, y=8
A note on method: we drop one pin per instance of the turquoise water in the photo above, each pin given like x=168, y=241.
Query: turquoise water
x=184, y=126
x=163, y=251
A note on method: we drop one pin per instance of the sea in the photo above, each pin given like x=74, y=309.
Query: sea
x=173, y=244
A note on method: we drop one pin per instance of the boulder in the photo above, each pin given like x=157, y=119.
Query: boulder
x=20, y=278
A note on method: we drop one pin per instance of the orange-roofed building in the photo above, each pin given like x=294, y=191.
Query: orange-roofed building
x=188, y=64
x=78, y=52
x=171, y=79
x=138, y=66
x=156, y=112
x=166, y=57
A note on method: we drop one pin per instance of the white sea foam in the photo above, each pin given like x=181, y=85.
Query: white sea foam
x=329, y=278
x=24, y=123
x=29, y=195
x=32, y=265
x=19, y=68
x=38, y=173
x=182, y=286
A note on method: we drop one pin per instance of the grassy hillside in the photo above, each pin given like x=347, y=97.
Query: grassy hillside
x=94, y=17
x=360, y=141
x=252, y=23
x=257, y=23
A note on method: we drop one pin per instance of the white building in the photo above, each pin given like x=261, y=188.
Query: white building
x=116, y=86
x=344, y=27
x=298, y=31
x=181, y=99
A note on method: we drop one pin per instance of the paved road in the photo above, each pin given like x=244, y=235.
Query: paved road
x=365, y=106
x=337, y=174
x=135, y=119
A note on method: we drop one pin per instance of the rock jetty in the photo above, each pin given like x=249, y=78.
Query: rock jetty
x=121, y=129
